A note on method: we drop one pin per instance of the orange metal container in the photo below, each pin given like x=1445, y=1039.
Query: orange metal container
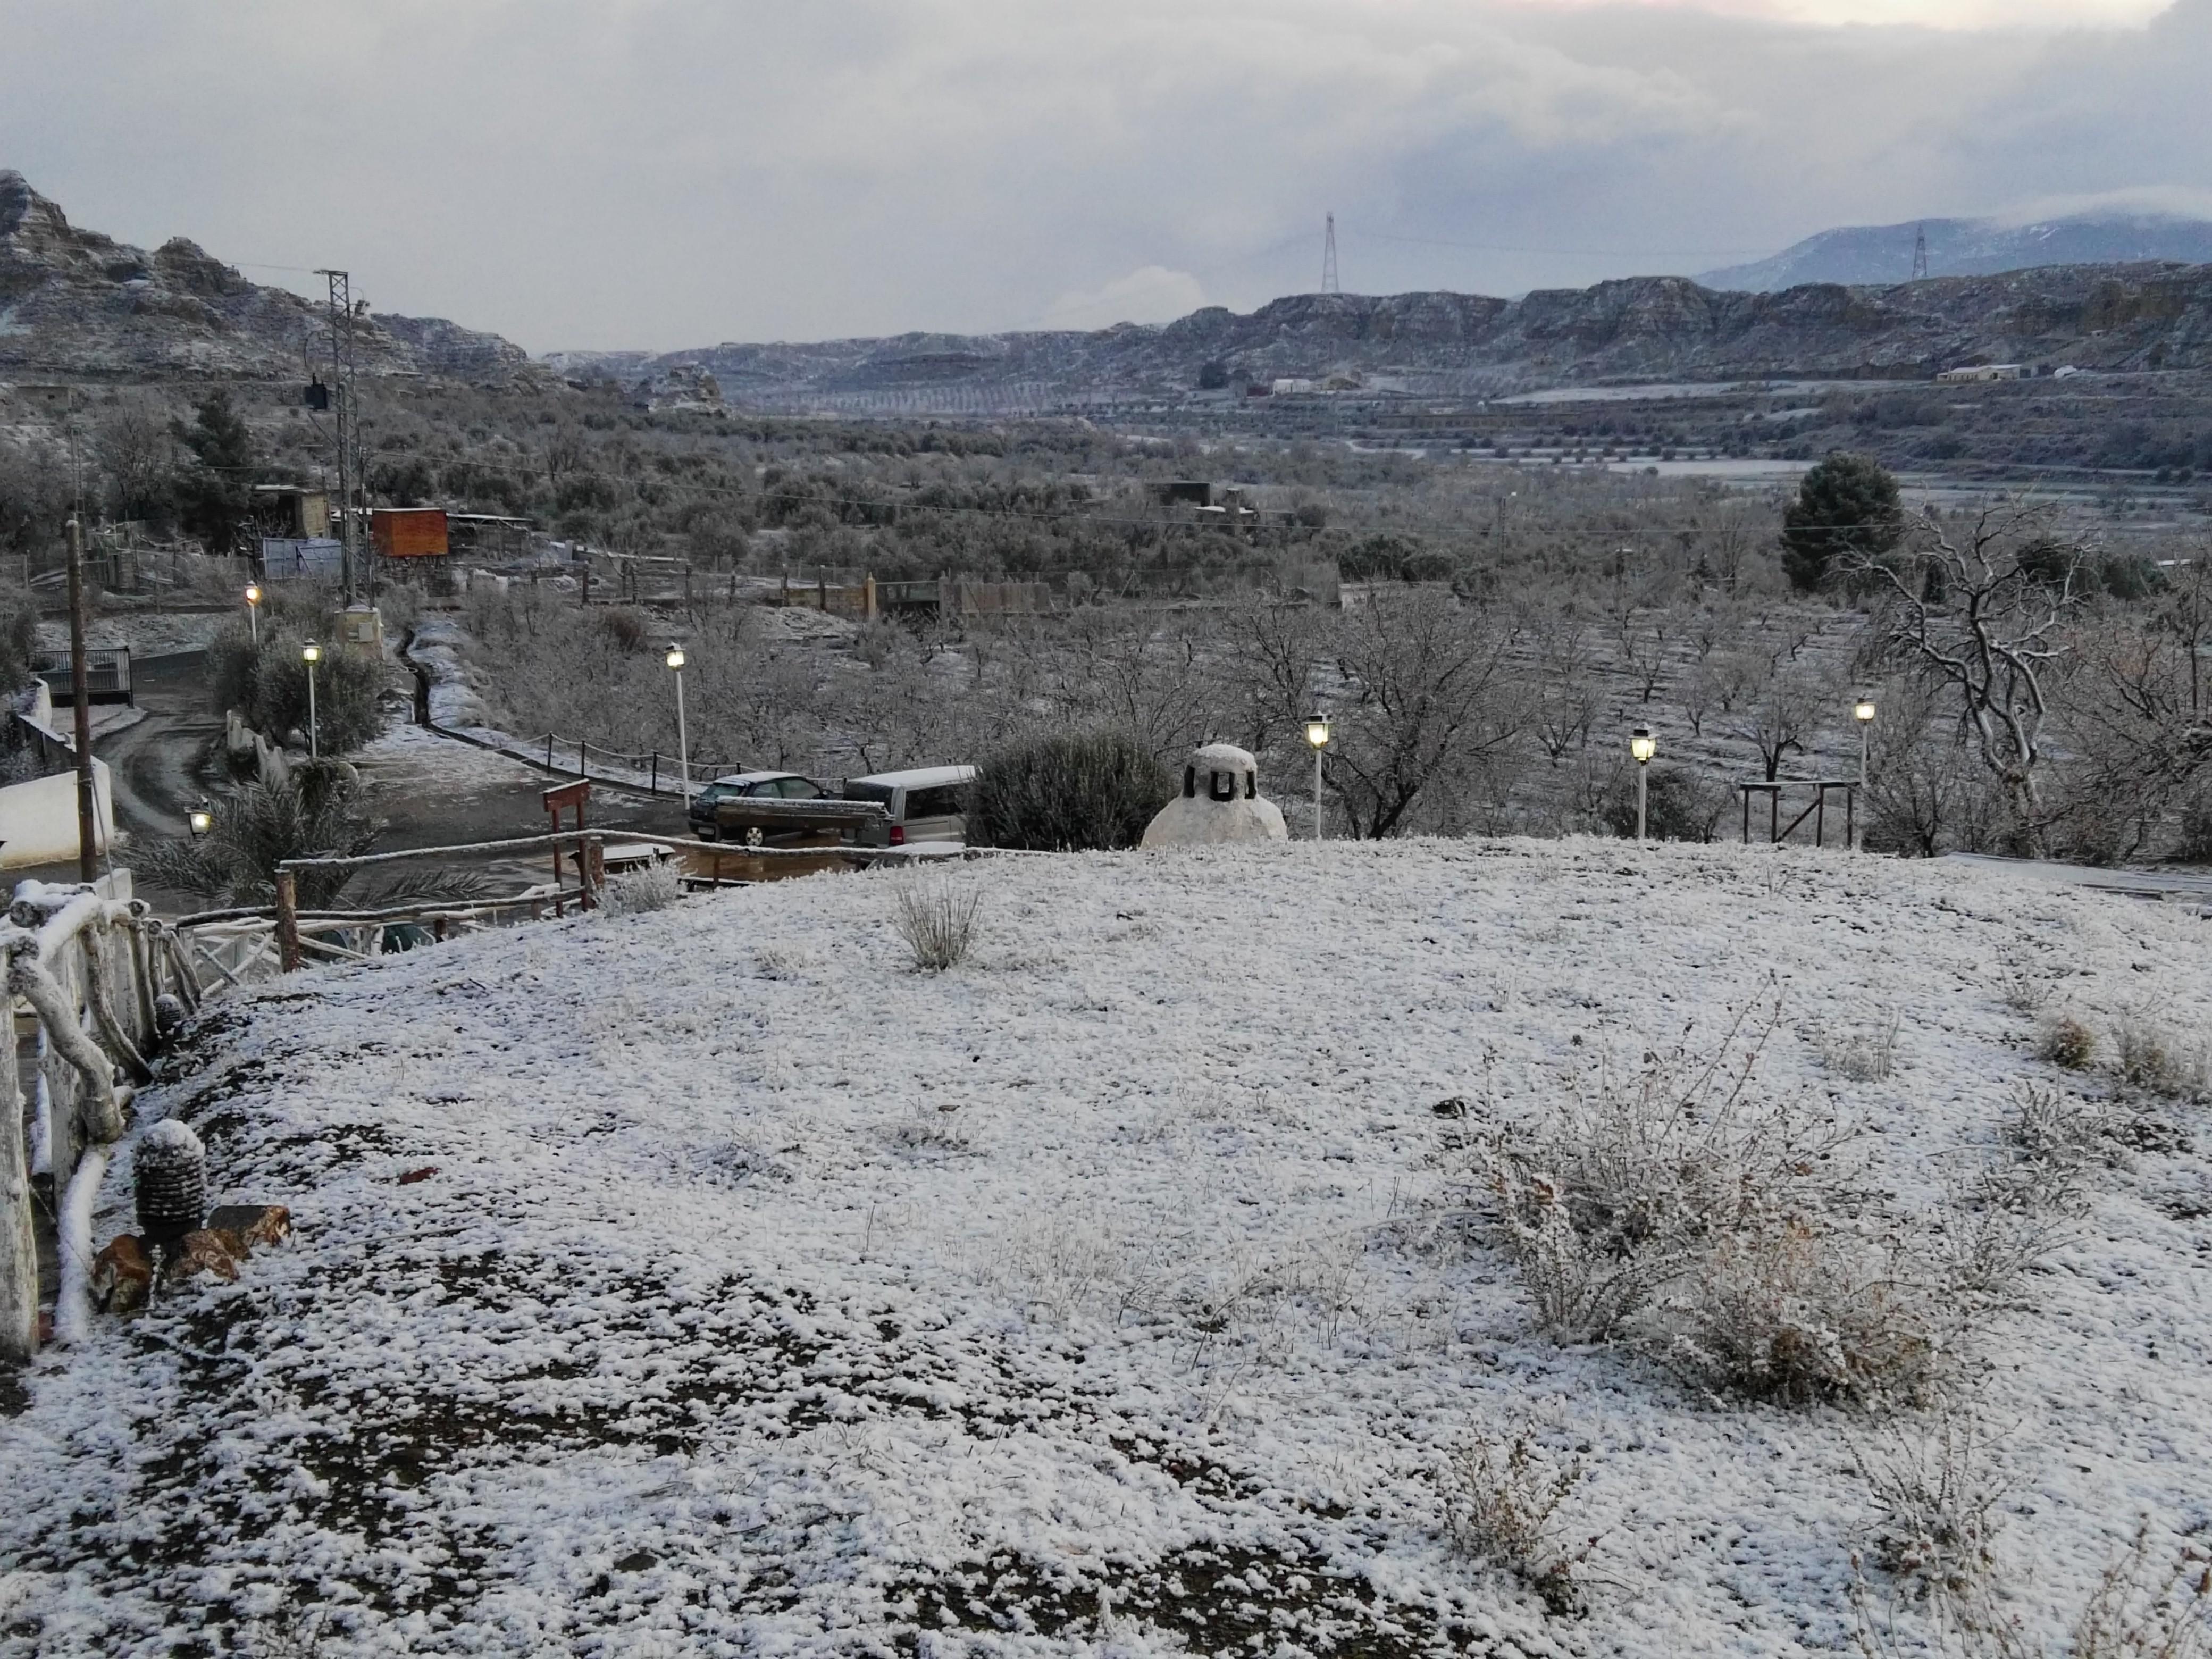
x=409, y=532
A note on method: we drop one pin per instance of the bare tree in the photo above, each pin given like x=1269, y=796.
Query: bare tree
x=1994, y=637
x=1778, y=711
x=1426, y=690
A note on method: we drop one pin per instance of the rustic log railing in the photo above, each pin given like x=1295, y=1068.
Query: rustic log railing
x=94, y=969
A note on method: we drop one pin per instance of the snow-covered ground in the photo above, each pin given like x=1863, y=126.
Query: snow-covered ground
x=708, y=1281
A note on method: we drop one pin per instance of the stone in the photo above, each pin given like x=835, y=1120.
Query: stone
x=205, y=1252
x=251, y=1224
x=122, y=1274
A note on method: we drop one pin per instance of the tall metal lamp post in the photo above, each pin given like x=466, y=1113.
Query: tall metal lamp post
x=1862, y=711
x=1642, y=746
x=1317, y=736
x=683, y=737
x=253, y=611
x=310, y=654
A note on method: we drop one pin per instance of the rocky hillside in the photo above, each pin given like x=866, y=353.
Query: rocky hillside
x=2138, y=316
x=77, y=304
x=1972, y=247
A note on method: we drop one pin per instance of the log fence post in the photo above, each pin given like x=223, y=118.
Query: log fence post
x=288, y=922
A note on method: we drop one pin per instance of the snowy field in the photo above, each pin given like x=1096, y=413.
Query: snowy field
x=709, y=1281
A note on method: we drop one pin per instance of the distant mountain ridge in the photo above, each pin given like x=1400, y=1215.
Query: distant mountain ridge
x=2114, y=316
x=74, y=303
x=1879, y=254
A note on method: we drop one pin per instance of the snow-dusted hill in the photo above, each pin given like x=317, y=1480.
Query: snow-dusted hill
x=764, y=1295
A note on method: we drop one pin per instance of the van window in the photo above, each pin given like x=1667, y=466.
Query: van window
x=881, y=793
x=944, y=802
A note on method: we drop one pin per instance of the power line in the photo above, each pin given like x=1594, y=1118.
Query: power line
x=1575, y=252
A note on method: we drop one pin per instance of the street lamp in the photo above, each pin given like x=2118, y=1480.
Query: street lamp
x=683, y=737
x=1642, y=746
x=310, y=654
x=1317, y=736
x=202, y=819
x=253, y=610
x=1863, y=712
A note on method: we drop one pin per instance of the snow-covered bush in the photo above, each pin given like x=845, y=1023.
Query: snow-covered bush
x=1806, y=1312
x=1865, y=1055
x=2153, y=1059
x=1936, y=1494
x=1502, y=1499
x=650, y=887
x=1616, y=1196
x=2065, y=1041
x=2053, y=1139
x=936, y=917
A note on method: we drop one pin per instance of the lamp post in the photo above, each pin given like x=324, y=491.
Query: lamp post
x=1317, y=736
x=310, y=654
x=1862, y=711
x=1641, y=745
x=202, y=819
x=253, y=610
x=683, y=737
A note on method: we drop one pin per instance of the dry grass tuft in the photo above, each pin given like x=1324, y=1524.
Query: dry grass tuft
x=1501, y=1501
x=936, y=917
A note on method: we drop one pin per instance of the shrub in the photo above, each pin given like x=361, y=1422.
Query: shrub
x=1062, y=795
x=1619, y=1195
x=651, y=887
x=937, y=919
x=1865, y=1056
x=1680, y=805
x=1502, y=1500
x=1801, y=1312
x=2153, y=1059
x=267, y=684
x=2065, y=1041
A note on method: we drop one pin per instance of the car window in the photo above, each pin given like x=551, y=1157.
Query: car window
x=941, y=803
x=798, y=789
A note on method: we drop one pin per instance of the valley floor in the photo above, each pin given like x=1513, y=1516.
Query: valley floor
x=709, y=1281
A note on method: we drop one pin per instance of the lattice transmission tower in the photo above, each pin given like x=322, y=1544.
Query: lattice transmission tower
x=1328, y=282
x=1919, y=252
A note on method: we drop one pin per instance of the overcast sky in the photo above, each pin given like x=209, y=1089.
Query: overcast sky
x=666, y=173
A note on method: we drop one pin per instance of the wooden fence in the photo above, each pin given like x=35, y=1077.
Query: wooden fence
x=95, y=969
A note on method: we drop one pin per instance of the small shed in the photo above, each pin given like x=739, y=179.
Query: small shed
x=409, y=532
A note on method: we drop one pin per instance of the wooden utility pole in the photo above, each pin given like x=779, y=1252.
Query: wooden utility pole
x=87, y=829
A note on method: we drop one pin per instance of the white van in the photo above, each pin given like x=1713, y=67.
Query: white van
x=927, y=803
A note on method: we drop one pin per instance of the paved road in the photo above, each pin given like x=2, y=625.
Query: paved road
x=2176, y=886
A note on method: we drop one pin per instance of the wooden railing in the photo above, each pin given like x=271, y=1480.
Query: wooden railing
x=95, y=971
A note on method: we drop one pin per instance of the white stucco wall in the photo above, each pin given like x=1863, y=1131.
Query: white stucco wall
x=38, y=819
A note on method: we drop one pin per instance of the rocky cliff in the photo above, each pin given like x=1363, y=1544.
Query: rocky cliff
x=76, y=304
x=2115, y=317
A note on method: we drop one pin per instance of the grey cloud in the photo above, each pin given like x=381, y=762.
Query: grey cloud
x=665, y=173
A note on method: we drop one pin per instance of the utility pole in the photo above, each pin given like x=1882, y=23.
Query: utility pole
x=1329, y=282
x=341, y=301
x=88, y=834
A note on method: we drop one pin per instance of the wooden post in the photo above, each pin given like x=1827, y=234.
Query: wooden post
x=287, y=921
x=549, y=751
x=1820, y=815
x=19, y=1243
x=87, y=834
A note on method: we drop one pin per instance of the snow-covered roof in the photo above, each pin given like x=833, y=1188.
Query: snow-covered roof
x=918, y=777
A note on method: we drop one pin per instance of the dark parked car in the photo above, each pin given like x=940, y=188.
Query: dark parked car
x=757, y=785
